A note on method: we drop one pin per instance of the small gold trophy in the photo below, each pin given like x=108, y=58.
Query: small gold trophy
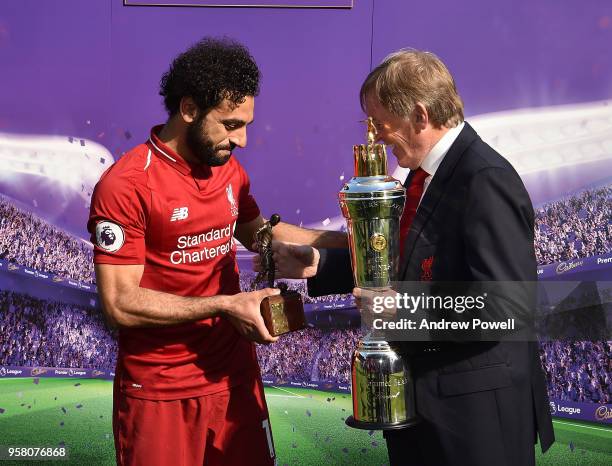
x=282, y=313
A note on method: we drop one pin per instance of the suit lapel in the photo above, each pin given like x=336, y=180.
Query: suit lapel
x=435, y=190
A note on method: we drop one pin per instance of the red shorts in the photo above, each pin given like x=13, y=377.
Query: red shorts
x=229, y=428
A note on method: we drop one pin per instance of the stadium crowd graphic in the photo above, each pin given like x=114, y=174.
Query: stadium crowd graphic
x=36, y=332
x=28, y=240
x=575, y=227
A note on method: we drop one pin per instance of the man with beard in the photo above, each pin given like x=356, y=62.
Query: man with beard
x=187, y=388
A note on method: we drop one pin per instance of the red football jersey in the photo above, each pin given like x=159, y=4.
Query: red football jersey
x=178, y=219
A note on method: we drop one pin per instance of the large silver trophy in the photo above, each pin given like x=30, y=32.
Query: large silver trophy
x=372, y=203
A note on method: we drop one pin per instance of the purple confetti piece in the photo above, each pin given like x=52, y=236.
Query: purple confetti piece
x=293, y=445
x=79, y=406
x=343, y=409
x=62, y=423
x=370, y=433
x=2, y=410
x=77, y=384
x=345, y=450
x=36, y=380
x=374, y=444
x=308, y=413
x=364, y=450
x=128, y=135
x=64, y=410
x=55, y=398
x=29, y=406
x=62, y=444
x=571, y=446
x=22, y=404
x=328, y=400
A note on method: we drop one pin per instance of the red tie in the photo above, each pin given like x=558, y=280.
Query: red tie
x=413, y=196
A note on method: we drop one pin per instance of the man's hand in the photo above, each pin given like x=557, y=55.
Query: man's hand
x=244, y=312
x=292, y=260
x=375, y=304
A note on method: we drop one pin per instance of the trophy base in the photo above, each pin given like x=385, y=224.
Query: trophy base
x=283, y=313
x=352, y=422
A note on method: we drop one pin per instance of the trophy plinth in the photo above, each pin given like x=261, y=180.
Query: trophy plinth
x=372, y=202
x=382, y=388
x=282, y=313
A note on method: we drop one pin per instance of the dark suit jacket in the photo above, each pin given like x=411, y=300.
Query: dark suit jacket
x=483, y=402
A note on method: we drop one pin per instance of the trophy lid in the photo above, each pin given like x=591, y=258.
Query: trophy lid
x=371, y=158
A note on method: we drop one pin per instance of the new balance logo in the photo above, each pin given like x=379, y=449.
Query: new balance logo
x=180, y=213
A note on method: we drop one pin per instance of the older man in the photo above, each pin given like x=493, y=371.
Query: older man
x=467, y=218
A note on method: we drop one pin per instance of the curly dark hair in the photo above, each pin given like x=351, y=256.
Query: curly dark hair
x=210, y=71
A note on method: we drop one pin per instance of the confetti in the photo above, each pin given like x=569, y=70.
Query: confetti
x=128, y=135
x=308, y=413
x=64, y=410
x=329, y=400
x=29, y=406
x=79, y=406
x=326, y=222
x=62, y=423
x=364, y=450
x=370, y=433
x=571, y=446
x=77, y=384
x=101, y=417
x=374, y=444
x=345, y=450
x=293, y=445
x=2, y=410
x=22, y=404
x=62, y=444
x=55, y=398
x=35, y=380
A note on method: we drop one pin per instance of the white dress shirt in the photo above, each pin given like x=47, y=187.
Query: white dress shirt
x=432, y=161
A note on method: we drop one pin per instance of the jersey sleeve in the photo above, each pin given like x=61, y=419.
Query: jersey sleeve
x=117, y=221
x=247, y=207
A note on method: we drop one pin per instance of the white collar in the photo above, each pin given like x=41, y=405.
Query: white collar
x=432, y=161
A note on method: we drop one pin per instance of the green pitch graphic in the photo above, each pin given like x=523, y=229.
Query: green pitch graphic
x=308, y=426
